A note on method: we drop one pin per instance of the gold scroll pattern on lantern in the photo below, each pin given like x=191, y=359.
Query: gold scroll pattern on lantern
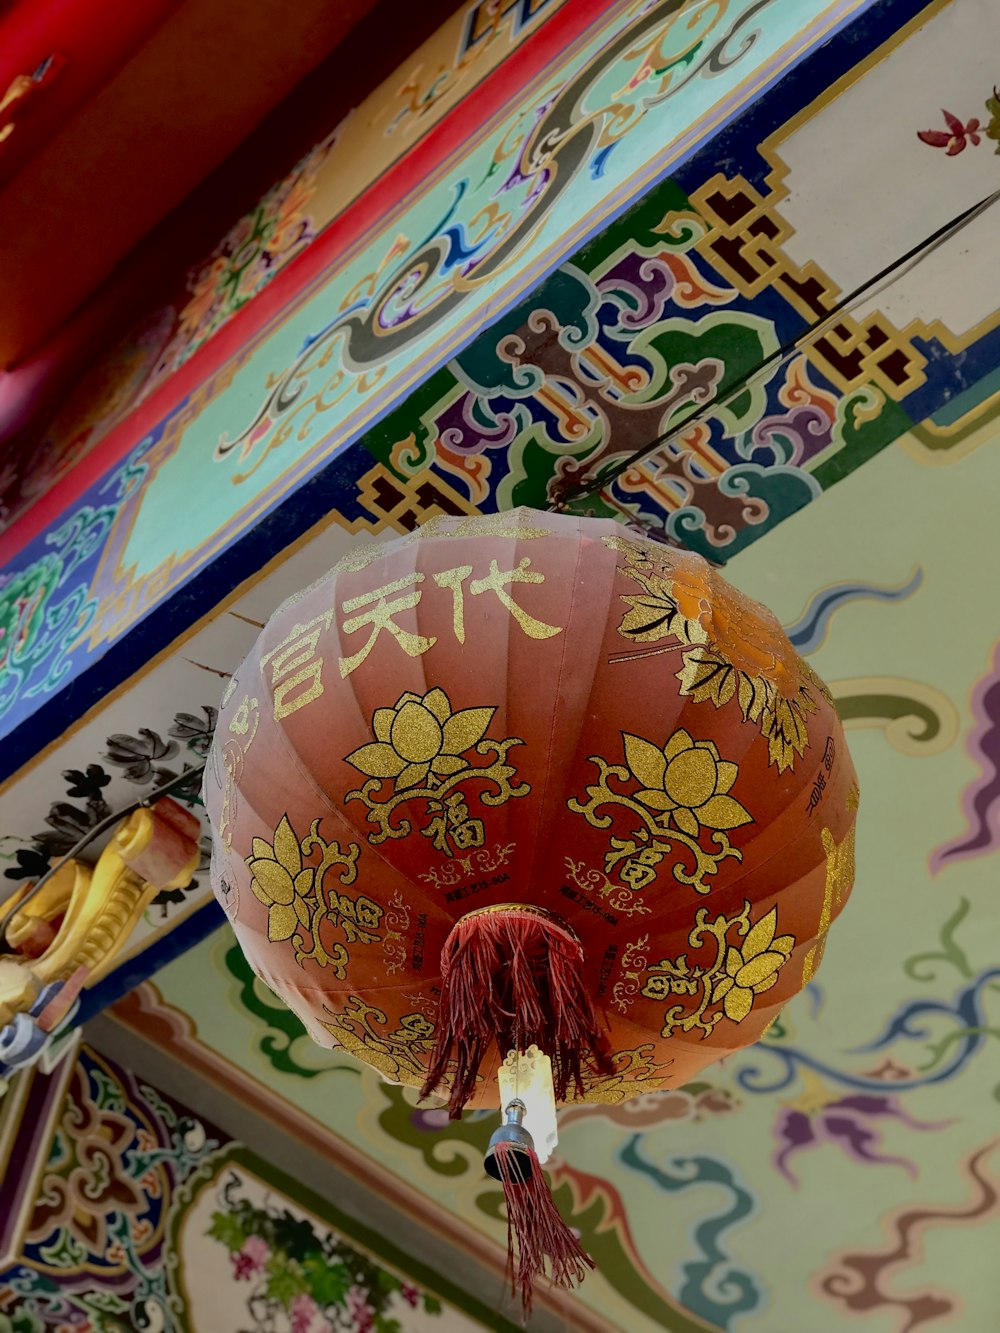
x=747, y=961
x=401, y=1055
x=684, y=789
x=304, y=904
x=422, y=750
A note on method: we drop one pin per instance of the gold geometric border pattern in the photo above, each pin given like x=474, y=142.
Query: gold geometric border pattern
x=746, y=244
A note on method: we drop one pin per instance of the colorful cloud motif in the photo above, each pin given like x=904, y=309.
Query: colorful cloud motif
x=981, y=798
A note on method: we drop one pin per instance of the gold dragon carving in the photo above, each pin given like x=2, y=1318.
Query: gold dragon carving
x=73, y=930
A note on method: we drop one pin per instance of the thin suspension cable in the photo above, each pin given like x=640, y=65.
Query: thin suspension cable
x=885, y=278
x=879, y=282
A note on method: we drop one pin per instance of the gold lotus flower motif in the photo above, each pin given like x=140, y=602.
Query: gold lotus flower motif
x=687, y=780
x=281, y=882
x=752, y=969
x=420, y=737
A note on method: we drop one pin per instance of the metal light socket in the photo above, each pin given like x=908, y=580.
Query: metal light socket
x=512, y=1131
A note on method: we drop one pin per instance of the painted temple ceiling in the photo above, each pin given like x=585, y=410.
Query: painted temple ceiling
x=878, y=1082
x=148, y=1217
x=730, y=279
x=268, y=409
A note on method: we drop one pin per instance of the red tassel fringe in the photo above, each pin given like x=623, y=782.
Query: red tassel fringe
x=513, y=979
x=541, y=1233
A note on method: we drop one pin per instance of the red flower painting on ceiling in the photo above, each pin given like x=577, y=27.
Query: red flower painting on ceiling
x=958, y=134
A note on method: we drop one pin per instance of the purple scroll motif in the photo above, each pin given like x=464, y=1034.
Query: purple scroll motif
x=794, y=438
x=849, y=1123
x=981, y=798
x=644, y=286
x=647, y=286
x=469, y=426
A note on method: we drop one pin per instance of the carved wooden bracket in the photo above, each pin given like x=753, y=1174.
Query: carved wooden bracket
x=68, y=936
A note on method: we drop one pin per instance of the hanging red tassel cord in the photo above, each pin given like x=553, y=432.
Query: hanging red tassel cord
x=534, y=1222
x=513, y=976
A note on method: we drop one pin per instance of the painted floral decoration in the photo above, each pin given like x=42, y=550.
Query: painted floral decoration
x=249, y=1260
x=420, y=739
x=687, y=780
x=959, y=134
x=752, y=969
x=303, y=1311
x=308, y=1282
x=955, y=137
x=138, y=759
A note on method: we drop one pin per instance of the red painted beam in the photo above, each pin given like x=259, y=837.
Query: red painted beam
x=201, y=82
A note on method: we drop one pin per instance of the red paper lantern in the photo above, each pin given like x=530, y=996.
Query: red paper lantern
x=530, y=779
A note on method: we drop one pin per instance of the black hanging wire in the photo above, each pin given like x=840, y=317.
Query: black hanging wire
x=884, y=278
x=108, y=822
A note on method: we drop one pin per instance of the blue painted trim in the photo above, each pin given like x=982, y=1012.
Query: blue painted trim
x=734, y=146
